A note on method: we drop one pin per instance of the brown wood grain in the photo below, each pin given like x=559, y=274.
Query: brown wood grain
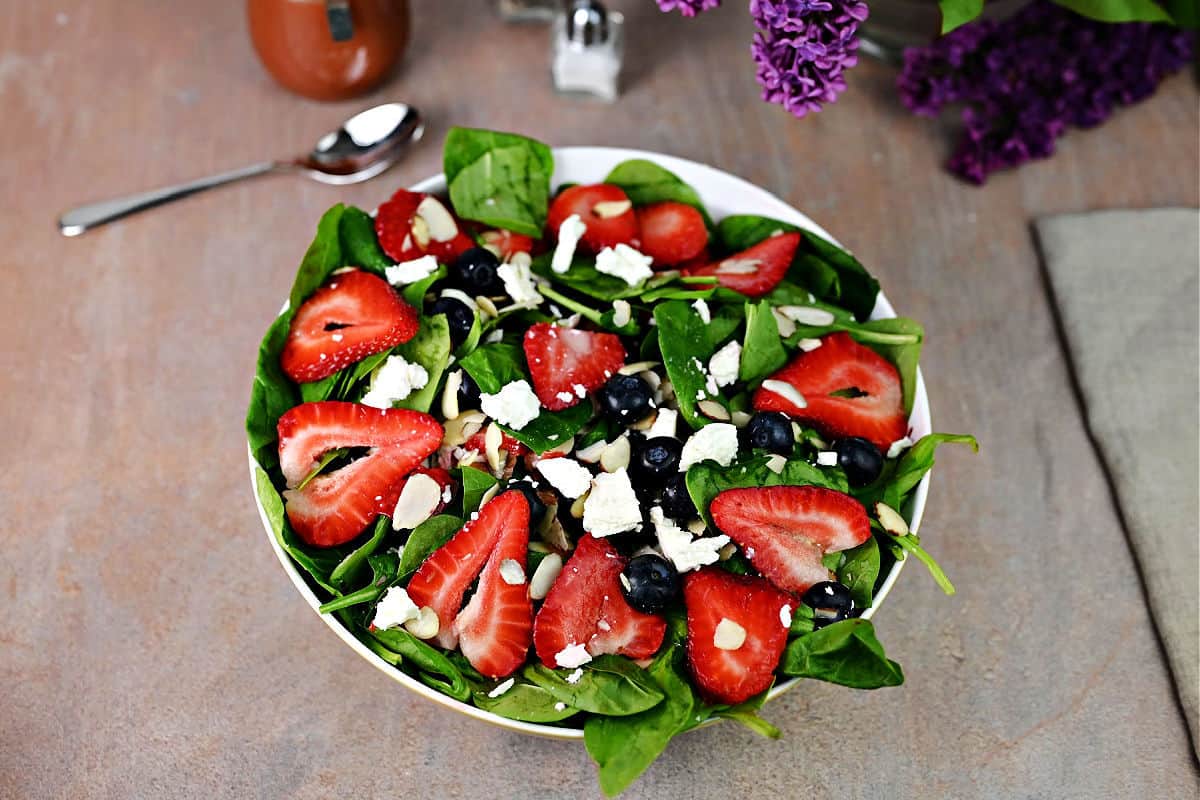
x=152, y=647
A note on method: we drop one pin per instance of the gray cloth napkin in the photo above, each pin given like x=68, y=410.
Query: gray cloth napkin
x=1126, y=287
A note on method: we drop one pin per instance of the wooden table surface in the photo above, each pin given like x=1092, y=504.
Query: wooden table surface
x=152, y=646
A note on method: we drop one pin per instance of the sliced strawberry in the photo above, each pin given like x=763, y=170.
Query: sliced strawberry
x=478, y=443
x=871, y=404
x=406, y=230
x=785, y=530
x=750, y=604
x=334, y=507
x=499, y=532
x=606, y=211
x=505, y=244
x=567, y=364
x=671, y=233
x=353, y=316
x=585, y=606
x=756, y=270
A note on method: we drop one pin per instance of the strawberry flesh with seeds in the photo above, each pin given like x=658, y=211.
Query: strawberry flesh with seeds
x=400, y=234
x=785, y=530
x=671, y=233
x=602, y=231
x=756, y=270
x=562, y=360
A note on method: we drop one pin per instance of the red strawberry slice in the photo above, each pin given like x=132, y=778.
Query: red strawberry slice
x=756, y=270
x=404, y=233
x=750, y=604
x=353, y=316
x=785, y=530
x=335, y=507
x=585, y=606
x=567, y=364
x=606, y=211
x=495, y=628
x=478, y=443
x=871, y=404
x=506, y=243
x=671, y=233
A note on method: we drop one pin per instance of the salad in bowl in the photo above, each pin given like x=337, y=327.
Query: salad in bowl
x=555, y=443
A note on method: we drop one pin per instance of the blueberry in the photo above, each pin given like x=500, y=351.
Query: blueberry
x=859, y=459
x=771, y=431
x=629, y=542
x=655, y=460
x=649, y=583
x=676, y=502
x=459, y=316
x=468, y=393
x=625, y=399
x=830, y=601
x=475, y=272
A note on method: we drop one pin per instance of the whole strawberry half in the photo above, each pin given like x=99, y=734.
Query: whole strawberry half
x=785, y=530
x=335, y=507
x=736, y=632
x=415, y=224
x=495, y=628
x=756, y=270
x=606, y=211
x=351, y=317
x=585, y=606
x=671, y=233
x=848, y=390
x=568, y=364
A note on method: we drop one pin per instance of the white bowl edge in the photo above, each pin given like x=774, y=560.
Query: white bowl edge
x=591, y=165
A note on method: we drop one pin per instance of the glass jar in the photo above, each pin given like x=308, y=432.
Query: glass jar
x=893, y=25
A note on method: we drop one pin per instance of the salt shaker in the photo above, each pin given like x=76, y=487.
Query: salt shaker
x=588, y=43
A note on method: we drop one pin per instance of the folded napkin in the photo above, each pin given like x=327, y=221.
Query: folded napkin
x=1126, y=287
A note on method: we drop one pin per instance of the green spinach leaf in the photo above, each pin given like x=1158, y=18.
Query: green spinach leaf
x=918, y=460
x=524, y=701
x=646, y=182
x=435, y=669
x=475, y=483
x=424, y=539
x=583, y=277
x=499, y=179
x=846, y=653
x=762, y=349
x=858, y=569
x=708, y=479
x=494, y=365
x=324, y=256
x=431, y=349
x=610, y=685
x=685, y=342
x=360, y=247
x=349, y=568
x=320, y=563
x=271, y=395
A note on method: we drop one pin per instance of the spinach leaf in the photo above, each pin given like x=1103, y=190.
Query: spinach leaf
x=828, y=271
x=610, y=685
x=360, y=247
x=349, y=568
x=475, y=483
x=324, y=255
x=424, y=539
x=524, y=701
x=318, y=564
x=431, y=349
x=918, y=460
x=858, y=569
x=623, y=747
x=708, y=479
x=499, y=179
x=494, y=365
x=435, y=669
x=762, y=349
x=368, y=594
x=746, y=715
x=846, y=653
x=271, y=395
x=912, y=544
x=549, y=429
x=583, y=277
x=685, y=342
x=646, y=182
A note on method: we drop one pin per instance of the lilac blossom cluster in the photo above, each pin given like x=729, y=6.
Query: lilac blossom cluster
x=688, y=8
x=1025, y=80
x=803, y=48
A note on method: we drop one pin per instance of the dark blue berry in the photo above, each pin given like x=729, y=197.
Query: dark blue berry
x=676, y=502
x=625, y=399
x=830, y=601
x=654, y=460
x=468, y=393
x=771, y=431
x=859, y=459
x=459, y=316
x=476, y=272
x=649, y=583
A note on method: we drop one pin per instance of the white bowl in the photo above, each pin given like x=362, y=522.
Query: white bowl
x=723, y=194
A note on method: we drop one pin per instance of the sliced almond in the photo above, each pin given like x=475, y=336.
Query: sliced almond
x=807, y=315
x=668, y=390
x=608, y=209
x=786, y=326
x=556, y=536
x=462, y=297
x=713, y=410
x=726, y=552
x=787, y=392
x=577, y=506
x=561, y=449
x=462, y=427
x=569, y=322
x=450, y=394
x=511, y=572
x=891, y=520
x=696, y=527
x=438, y=222
x=468, y=458
x=420, y=231
x=645, y=423
x=487, y=496
x=776, y=463
x=740, y=418
x=486, y=306
x=729, y=635
x=636, y=367
x=616, y=455
x=738, y=266
x=417, y=502
x=492, y=439
x=547, y=521
x=544, y=576
x=425, y=626
x=808, y=345
x=591, y=453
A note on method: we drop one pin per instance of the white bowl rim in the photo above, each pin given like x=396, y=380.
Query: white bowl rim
x=582, y=158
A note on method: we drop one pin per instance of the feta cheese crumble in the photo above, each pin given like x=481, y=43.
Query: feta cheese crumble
x=625, y=263
x=515, y=405
x=680, y=548
x=577, y=674
x=412, y=271
x=566, y=475
x=568, y=239
x=724, y=364
x=572, y=656
x=394, y=380
x=729, y=635
x=808, y=345
x=518, y=281
x=511, y=572
x=899, y=446
x=702, y=309
x=717, y=441
x=611, y=506
x=664, y=424
x=395, y=609
x=827, y=458
x=785, y=615
x=502, y=687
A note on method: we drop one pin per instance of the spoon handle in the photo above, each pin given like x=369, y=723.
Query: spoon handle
x=81, y=219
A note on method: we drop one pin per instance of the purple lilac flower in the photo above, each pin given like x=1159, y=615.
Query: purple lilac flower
x=688, y=8
x=803, y=48
x=1025, y=80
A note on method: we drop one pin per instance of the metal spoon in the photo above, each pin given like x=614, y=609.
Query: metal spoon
x=364, y=146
